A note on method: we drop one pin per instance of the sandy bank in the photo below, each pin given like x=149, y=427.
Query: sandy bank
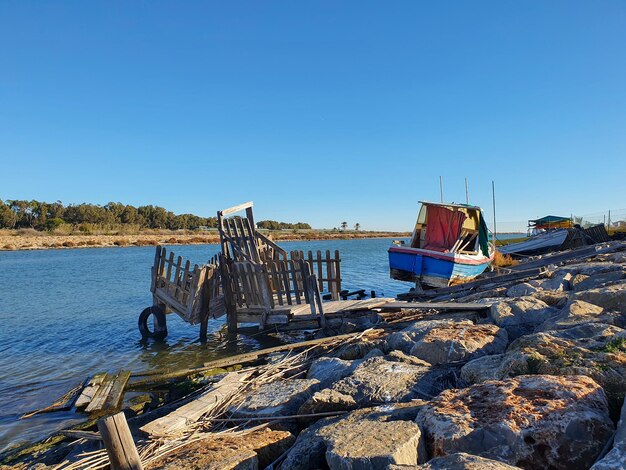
x=42, y=240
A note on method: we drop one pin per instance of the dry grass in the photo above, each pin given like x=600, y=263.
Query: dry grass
x=504, y=261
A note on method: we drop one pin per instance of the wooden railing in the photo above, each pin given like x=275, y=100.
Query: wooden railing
x=327, y=269
x=183, y=289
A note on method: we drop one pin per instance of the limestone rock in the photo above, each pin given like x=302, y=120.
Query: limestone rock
x=611, y=298
x=405, y=339
x=462, y=461
x=559, y=282
x=521, y=316
x=616, y=458
x=399, y=356
x=520, y=290
x=535, y=421
x=330, y=369
x=579, y=312
x=378, y=380
x=459, y=341
x=370, y=440
x=552, y=298
x=582, y=282
x=280, y=398
x=248, y=452
x=561, y=352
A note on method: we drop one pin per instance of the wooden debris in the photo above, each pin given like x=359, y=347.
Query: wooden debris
x=109, y=395
x=187, y=414
x=63, y=403
x=89, y=391
x=119, y=443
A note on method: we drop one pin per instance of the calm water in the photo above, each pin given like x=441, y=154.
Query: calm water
x=67, y=314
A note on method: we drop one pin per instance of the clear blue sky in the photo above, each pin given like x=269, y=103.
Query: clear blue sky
x=317, y=111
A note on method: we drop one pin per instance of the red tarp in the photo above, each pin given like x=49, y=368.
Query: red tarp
x=443, y=227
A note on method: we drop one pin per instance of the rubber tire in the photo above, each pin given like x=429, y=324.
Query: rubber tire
x=160, y=324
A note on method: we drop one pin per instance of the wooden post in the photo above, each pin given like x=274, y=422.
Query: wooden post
x=119, y=443
x=229, y=301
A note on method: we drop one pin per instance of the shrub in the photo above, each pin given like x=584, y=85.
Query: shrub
x=53, y=224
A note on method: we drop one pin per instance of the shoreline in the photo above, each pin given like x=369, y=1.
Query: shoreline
x=45, y=241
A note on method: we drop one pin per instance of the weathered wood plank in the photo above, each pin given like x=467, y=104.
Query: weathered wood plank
x=89, y=391
x=187, y=414
x=458, y=306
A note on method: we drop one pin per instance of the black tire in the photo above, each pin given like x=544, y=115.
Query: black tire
x=160, y=324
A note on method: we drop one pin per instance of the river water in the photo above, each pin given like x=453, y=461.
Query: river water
x=67, y=314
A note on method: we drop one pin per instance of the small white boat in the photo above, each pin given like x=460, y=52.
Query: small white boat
x=542, y=243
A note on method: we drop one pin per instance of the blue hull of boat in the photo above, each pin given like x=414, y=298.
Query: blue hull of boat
x=432, y=270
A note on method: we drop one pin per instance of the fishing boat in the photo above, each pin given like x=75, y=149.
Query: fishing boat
x=449, y=245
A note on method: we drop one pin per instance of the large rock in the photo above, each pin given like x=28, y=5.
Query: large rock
x=582, y=282
x=281, y=398
x=530, y=421
x=462, y=461
x=612, y=298
x=360, y=440
x=520, y=290
x=594, y=350
x=254, y=450
x=579, y=312
x=521, y=316
x=586, y=269
x=459, y=341
x=330, y=369
x=558, y=281
x=616, y=458
x=405, y=339
x=376, y=381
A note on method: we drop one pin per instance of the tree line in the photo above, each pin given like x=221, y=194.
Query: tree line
x=15, y=214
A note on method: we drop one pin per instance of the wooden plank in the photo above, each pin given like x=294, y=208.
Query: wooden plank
x=256, y=316
x=110, y=392
x=457, y=306
x=89, y=391
x=234, y=209
x=368, y=304
x=97, y=403
x=116, y=395
x=62, y=403
x=179, y=419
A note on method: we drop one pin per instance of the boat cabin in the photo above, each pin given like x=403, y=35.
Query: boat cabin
x=447, y=228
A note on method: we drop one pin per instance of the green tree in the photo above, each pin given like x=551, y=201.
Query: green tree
x=8, y=218
x=357, y=226
x=344, y=225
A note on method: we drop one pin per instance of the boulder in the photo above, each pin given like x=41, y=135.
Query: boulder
x=616, y=458
x=611, y=297
x=582, y=282
x=586, y=268
x=405, y=339
x=579, y=312
x=250, y=451
x=559, y=282
x=378, y=380
x=462, y=461
x=552, y=298
x=520, y=290
x=561, y=352
x=360, y=440
x=459, y=341
x=330, y=369
x=521, y=316
x=536, y=421
x=281, y=398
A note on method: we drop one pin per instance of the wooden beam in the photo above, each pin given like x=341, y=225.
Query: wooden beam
x=191, y=412
x=232, y=210
x=119, y=443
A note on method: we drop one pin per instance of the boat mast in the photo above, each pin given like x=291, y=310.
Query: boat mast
x=466, y=193
x=493, y=194
x=441, y=188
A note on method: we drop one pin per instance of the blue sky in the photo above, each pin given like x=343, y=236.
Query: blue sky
x=316, y=111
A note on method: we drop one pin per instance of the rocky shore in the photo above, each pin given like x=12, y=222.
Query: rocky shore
x=537, y=381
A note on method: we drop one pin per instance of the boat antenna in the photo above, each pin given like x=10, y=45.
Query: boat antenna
x=441, y=187
x=493, y=194
x=466, y=193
